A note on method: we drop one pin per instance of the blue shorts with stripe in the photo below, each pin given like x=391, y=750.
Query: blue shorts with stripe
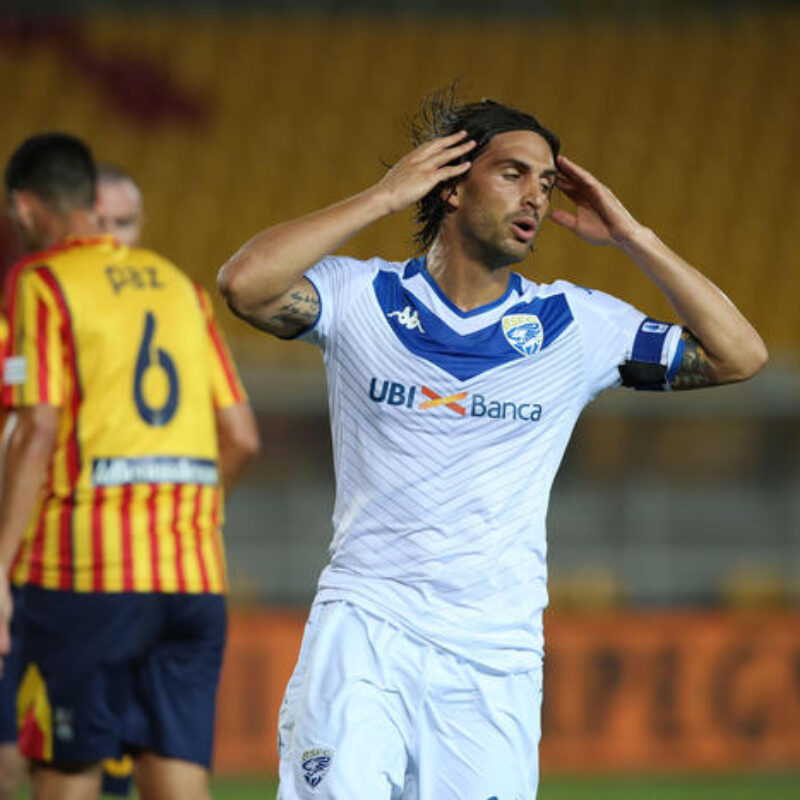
x=108, y=674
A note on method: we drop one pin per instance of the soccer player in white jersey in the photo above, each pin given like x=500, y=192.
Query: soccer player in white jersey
x=454, y=386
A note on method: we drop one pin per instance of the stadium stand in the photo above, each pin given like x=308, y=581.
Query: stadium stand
x=688, y=122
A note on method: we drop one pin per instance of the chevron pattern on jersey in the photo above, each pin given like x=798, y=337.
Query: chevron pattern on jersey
x=443, y=480
x=464, y=355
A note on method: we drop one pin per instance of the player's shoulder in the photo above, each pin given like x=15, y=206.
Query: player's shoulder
x=75, y=252
x=562, y=286
x=161, y=268
x=360, y=267
x=582, y=299
x=345, y=275
x=375, y=263
x=51, y=258
x=40, y=268
x=144, y=256
x=78, y=256
x=529, y=288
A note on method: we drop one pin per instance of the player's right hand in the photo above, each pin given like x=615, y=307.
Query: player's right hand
x=424, y=168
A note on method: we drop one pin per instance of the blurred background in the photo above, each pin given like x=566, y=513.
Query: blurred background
x=674, y=528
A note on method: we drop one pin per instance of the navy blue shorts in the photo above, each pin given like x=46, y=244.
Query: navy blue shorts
x=8, y=681
x=108, y=674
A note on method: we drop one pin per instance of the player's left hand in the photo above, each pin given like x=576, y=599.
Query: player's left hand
x=599, y=216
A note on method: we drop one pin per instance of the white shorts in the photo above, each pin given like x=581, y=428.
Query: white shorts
x=373, y=713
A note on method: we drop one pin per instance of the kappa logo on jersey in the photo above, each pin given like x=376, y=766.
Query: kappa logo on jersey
x=408, y=318
x=393, y=393
x=524, y=332
x=315, y=764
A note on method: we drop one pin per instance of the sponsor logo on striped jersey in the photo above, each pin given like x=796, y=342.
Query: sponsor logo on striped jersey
x=462, y=404
x=153, y=469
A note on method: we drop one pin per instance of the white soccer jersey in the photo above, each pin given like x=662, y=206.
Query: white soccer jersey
x=448, y=429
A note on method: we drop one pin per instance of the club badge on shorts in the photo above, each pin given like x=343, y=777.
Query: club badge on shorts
x=524, y=332
x=315, y=764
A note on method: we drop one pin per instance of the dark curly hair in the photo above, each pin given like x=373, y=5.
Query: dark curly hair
x=441, y=115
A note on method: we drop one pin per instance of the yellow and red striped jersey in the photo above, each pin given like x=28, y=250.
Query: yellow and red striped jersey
x=127, y=346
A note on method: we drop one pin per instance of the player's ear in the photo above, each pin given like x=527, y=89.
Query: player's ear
x=21, y=208
x=450, y=195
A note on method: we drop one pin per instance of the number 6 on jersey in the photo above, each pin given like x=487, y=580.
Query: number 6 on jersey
x=154, y=415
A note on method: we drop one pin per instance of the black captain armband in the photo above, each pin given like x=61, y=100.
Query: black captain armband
x=643, y=375
x=645, y=369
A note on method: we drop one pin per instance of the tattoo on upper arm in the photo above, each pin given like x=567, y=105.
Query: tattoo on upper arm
x=695, y=370
x=290, y=315
x=299, y=306
x=297, y=311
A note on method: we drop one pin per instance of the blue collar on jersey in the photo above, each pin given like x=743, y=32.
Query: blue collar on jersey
x=468, y=355
x=419, y=266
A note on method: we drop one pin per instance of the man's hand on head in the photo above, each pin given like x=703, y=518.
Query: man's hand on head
x=424, y=168
x=599, y=218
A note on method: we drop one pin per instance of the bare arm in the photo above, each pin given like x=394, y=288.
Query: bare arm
x=30, y=449
x=6, y=611
x=26, y=456
x=721, y=346
x=6, y=603
x=263, y=282
x=238, y=438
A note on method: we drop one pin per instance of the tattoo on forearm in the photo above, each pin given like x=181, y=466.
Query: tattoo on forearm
x=695, y=370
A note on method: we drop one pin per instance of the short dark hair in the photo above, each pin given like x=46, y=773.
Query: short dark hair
x=442, y=115
x=57, y=167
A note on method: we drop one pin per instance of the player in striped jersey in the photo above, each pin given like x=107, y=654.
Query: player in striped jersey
x=130, y=418
x=119, y=208
x=120, y=214
x=454, y=385
x=12, y=765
